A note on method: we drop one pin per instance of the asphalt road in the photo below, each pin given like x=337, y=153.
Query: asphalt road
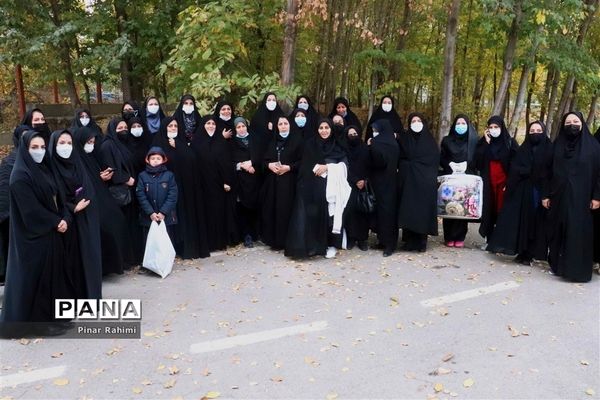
x=449, y=323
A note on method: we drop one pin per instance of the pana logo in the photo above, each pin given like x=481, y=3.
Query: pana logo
x=104, y=309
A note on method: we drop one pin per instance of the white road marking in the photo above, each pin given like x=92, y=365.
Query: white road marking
x=31, y=376
x=468, y=294
x=257, y=337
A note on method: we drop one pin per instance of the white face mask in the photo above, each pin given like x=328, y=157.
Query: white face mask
x=137, y=132
x=375, y=133
x=153, y=109
x=303, y=106
x=495, y=132
x=37, y=154
x=88, y=147
x=188, y=109
x=416, y=126
x=224, y=118
x=171, y=135
x=64, y=150
x=84, y=121
x=386, y=107
x=271, y=104
x=284, y=134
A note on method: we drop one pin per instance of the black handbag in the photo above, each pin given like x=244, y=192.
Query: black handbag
x=365, y=200
x=121, y=194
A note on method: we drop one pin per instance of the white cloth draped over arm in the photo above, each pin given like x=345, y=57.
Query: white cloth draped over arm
x=337, y=193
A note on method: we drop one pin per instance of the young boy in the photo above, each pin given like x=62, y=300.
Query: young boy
x=157, y=192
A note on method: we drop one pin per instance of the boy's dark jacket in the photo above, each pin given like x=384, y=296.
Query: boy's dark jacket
x=157, y=193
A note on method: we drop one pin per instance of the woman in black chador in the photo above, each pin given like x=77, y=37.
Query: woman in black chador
x=383, y=177
x=312, y=231
x=117, y=156
x=280, y=166
x=190, y=231
x=264, y=120
x=83, y=257
x=418, y=165
x=571, y=192
x=356, y=221
x=39, y=218
x=245, y=155
x=341, y=107
x=493, y=155
x=458, y=147
x=217, y=175
x=112, y=220
x=522, y=224
x=187, y=116
x=386, y=110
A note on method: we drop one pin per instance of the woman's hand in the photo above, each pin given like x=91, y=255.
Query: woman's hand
x=130, y=182
x=107, y=174
x=320, y=169
x=283, y=169
x=83, y=203
x=226, y=187
x=487, y=136
x=274, y=166
x=546, y=203
x=227, y=133
x=172, y=142
x=595, y=204
x=62, y=226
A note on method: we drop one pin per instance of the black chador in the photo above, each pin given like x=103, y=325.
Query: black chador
x=384, y=153
x=190, y=231
x=522, y=224
x=574, y=181
x=278, y=189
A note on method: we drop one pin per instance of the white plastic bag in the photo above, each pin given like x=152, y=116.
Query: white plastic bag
x=159, y=254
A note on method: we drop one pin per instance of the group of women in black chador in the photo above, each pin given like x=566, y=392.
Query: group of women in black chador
x=297, y=182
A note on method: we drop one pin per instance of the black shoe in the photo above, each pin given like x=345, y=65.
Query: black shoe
x=350, y=245
x=422, y=250
x=387, y=253
x=523, y=259
x=248, y=242
x=363, y=245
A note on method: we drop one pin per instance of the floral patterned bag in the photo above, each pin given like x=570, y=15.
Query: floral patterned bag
x=460, y=196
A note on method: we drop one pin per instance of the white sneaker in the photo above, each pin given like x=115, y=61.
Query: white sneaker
x=331, y=252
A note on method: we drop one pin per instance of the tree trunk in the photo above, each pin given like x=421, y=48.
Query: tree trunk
x=519, y=102
x=20, y=90
x=508, y=59
x=529, y=96
x=448, y=78
x=552, y=102
x=546, y=96
x=289, y=43
x=401, y=43
x=125, y=66
x=592, y=114
x=98, y=92
x=64, y=52
x=565, y=99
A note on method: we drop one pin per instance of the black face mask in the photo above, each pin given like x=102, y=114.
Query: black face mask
x=536, y=138
x=353, y=140
x=573, y=130
x=127, y=115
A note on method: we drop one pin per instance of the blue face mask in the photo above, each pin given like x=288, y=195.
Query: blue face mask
x=461, y=129
x=300, y=121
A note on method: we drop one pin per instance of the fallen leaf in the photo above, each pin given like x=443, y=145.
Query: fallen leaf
x=448, y=357
x=24, y=342
x=441, y=371
x=513, y=331
x=205, y=372
x=170, y=383
x=211, y=395
x=277, y=379
x=61, y=382
x=438, y=387
x=332, y=396
x=442, y=311
x=584, y=362
x=57, y=354
x=173, y=370
x=136, y=390
x=146, y=382
x=468, y=382
x=590, y=392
